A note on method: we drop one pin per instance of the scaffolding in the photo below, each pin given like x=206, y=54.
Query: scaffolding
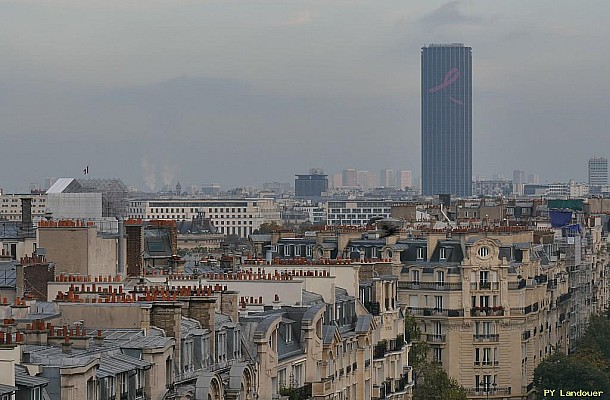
x=114, y=195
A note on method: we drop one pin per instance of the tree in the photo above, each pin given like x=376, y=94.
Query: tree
x=419, y=350
x=562, y=372
x=433, y=383
x=267, y=227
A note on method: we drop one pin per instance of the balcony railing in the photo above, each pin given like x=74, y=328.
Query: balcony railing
x=484, y=285
x=384, y=346
x=517, y=285
x=490, y=337
x=435, y=338
x=416, y=285
x=492, y=391
x=301, y=393
x=427, y=311
x=322, y=388
x=486, y=312
x=487, y=363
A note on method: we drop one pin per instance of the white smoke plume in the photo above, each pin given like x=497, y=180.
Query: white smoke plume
x=150, y=175
x=168, y=173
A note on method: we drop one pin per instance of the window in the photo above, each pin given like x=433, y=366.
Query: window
x=483, y=276
x=415, y=276
x=421, y=252
x=36, y=395
x=442, y=253
x=286, y=249
x=438, y=302
x=437, y=355
x=438, y=328
x=440, y=277
x=288, y=333
x=308, y=251
x=111, y=389
x=297, y=372
x=124, y=382
x=486, y=356
x=483, y=252
x=281, y=378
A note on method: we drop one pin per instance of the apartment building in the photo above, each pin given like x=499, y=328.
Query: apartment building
x=490, y=304
x=11, y=206
x=356, y=212
x=230, y=216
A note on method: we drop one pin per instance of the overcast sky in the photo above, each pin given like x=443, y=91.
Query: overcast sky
x=243, y=92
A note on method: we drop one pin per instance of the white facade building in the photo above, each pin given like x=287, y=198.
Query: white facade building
x=10, y=206
x=356, y=212
x=239, y=217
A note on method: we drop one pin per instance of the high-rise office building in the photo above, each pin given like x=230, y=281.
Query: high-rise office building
x=518, y=181
x=446, y=95
x=404, y=179
x=387, y=178
x=312, y=185
x=367, y=180
x=533, y=179
x=598, y=171
x=349, y=178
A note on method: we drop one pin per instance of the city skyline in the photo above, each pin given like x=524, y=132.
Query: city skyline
x=176, y=99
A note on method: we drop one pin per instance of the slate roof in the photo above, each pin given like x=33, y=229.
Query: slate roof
x=328, y=333
x=6, y=389
x=364, y=323
x=114, y=364
x=311, y=297
x=23, y=378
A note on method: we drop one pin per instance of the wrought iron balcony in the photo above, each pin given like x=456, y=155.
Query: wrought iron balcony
x=490, y=337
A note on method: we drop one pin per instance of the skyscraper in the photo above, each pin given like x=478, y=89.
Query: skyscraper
x=446, y=95
x=598, y=171
x=404, y=179
x=387, y=178
x=312, y=185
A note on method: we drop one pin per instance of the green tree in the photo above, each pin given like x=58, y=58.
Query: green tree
x=267, y=227
x=433, y=383
x=419, y=350
x=561, y=372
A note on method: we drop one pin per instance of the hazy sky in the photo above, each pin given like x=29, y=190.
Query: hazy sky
x=243, y=92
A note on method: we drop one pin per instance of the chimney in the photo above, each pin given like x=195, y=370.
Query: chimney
x=121, y=248
x=26, y=214
x=99, y=338
x=66, y=346
x=203, y=310
x=167, y=315
x=229, y=304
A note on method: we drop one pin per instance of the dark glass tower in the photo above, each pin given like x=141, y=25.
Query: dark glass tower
x=446, y=136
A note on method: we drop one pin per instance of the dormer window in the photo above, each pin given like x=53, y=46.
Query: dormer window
x=442, y=253
x=421, y=253
x=483, y=252
x=286, y=330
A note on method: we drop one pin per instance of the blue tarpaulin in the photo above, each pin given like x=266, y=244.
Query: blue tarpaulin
x=560, y=218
